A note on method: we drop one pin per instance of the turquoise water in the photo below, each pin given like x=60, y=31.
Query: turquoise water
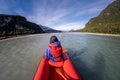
x=95, y=57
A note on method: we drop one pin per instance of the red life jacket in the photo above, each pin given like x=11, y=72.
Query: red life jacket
x=56, y=51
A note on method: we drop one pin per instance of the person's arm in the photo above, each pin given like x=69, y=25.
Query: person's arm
x=48, y=53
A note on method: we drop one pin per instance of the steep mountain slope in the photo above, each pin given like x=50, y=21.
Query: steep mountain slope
x=49, y=30
x=11, y=25
x=107, y=22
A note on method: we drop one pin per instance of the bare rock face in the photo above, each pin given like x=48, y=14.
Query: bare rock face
x=17, y=25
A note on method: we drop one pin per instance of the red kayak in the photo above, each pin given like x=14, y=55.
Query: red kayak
x=48, y=72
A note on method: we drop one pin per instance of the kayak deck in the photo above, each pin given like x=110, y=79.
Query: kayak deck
x=47, y=72
x=55, y=75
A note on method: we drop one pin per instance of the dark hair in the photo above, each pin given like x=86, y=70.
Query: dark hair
x=53, y=39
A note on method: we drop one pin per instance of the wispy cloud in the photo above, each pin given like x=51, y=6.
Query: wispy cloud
x=70, y=26
x=57, y=14
x=41, y=17
x=20, y=12
x=49, y=12
x=94, y=8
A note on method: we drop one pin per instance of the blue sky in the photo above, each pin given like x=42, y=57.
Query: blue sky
x=57, y=14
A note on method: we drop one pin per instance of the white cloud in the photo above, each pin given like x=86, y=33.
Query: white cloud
x=93, y=8
x=47, y=15
x=70, y=26
x=20, y=12
x=52, y=12
x=48, y=19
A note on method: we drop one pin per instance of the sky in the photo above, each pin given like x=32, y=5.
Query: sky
x=57, y=14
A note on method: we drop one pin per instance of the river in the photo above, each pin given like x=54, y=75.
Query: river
x=95, y=57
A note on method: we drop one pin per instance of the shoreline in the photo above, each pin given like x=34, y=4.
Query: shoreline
x=100, y=34
x=21, y=36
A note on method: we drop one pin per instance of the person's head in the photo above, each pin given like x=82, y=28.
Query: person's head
x=53, y=39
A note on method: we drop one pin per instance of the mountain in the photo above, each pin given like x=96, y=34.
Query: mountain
x=49, y=30
x=108, y=21
x=11, y=25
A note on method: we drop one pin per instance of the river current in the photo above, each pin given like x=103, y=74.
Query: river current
x=95, y=57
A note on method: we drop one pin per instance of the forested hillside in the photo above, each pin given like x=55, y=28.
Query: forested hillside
x=108, y=21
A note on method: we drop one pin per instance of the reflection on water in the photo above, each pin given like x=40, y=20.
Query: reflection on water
x=95, y=57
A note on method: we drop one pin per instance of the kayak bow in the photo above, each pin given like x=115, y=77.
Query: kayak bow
x=66, y=72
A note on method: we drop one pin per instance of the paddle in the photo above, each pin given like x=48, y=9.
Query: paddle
x=58, y=69
x=65, y=51
x=60, y=73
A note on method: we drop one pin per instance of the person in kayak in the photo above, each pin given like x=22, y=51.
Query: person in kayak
x=54, y=51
